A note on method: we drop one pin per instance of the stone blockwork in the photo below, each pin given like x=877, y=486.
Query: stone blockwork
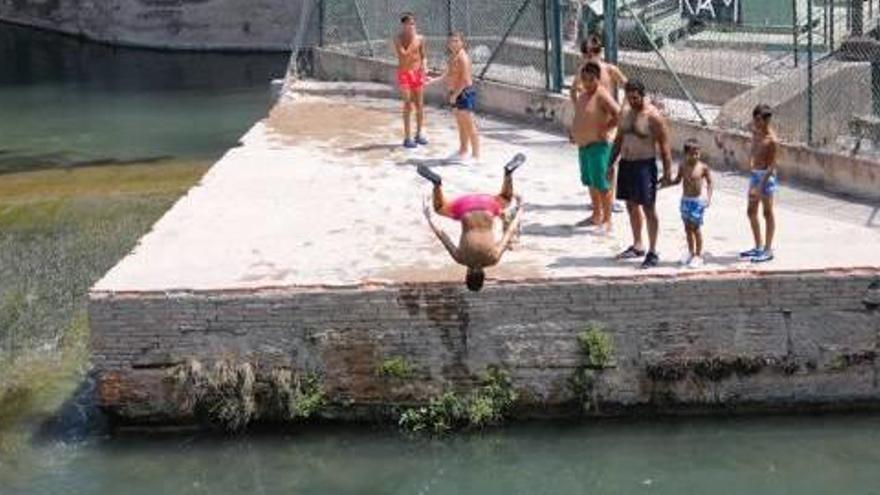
x=785, y=341
x=176, y=24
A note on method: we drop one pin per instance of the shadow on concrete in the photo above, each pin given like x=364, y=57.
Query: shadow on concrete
x=541, y=230
x=557, y=207
x=430, y=162
x=870, y=222
x=604, y=262
x=373, y=147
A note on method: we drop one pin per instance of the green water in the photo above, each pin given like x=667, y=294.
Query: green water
x=768, y=456
x=65, y=103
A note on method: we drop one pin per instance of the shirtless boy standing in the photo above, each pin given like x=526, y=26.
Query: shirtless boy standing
x=762, y=184
x=411, y=77
x=692, y=174
x=612, y=77
x=462, y=96
x=595, y=118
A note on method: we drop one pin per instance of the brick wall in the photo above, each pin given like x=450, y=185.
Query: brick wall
x=681, y=344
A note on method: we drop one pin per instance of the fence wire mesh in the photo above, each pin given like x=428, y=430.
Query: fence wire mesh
x=709, y=61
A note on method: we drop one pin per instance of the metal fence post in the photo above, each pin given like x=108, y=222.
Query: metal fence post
x=609, y=28
x=448, y=16
x=794, y=30
x=858, y=16
x=545, y=20
x=557, y=46
x=321, y=23
x=810, y=72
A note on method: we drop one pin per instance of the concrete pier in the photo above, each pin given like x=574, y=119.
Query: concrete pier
x=305, y=248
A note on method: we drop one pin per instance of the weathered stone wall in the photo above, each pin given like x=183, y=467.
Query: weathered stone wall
x=682, y=344
x=177, y=24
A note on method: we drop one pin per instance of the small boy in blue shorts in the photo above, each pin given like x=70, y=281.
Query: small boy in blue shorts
x=692, y=174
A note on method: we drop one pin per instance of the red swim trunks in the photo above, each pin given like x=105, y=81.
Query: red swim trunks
x=411, y=80
x=475, y=202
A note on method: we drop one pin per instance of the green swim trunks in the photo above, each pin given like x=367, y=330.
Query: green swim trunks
x=594, y=159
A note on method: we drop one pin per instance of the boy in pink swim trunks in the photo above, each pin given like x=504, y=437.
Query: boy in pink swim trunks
x=412, y=59
x=477, y=247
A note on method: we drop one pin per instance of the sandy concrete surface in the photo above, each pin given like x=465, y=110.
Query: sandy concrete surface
x=321, y=194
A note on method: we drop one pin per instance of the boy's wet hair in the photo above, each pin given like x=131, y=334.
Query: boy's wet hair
x=763, y=110
x=636, y=86
x=459, y=35
x=474, y=279
x=406, y=17
x=593, y=39
x=691, y=144
x=592, y=68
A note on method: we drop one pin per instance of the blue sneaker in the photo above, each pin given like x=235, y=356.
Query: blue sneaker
x=763, y=257
x=420, y=140
x=409, y=143
x=751, y=253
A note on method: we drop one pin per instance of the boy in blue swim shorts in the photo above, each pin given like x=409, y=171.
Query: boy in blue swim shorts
x=692, y=174
x=762, y=184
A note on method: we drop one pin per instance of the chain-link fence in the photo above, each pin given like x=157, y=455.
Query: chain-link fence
x=509, y=40
x=709, y=61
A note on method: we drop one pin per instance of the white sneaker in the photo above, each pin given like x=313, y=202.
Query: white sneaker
x=696, y=262
x=454, y=157
x=685, y=259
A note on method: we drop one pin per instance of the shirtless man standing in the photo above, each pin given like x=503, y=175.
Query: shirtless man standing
x=595, y=118
x=642, y=133
x=762, y=183
x=476, y=248
x=612, y=78
x=411, y=77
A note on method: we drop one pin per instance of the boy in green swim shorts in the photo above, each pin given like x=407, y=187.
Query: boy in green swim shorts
x=595, y=117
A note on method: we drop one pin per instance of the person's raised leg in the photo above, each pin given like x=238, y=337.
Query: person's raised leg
x=441, y=206
x=506, y=194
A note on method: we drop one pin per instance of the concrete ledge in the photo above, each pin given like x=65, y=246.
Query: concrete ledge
x=774, y=342
x=855, y=176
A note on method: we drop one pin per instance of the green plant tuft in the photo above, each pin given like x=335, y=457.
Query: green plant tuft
x=489, y=404
x=597, y=347
x=396, y=367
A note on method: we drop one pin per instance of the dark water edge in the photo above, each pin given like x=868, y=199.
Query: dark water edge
x=79, y=103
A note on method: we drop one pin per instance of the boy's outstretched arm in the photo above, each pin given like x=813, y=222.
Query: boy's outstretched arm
x=512, y=227
x=451, y=248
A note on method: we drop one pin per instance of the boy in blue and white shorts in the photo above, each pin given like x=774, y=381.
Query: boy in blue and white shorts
x=692, y=174
x=762, y=184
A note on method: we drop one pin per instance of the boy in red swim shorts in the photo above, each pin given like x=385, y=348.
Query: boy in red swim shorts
x=412, y=62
